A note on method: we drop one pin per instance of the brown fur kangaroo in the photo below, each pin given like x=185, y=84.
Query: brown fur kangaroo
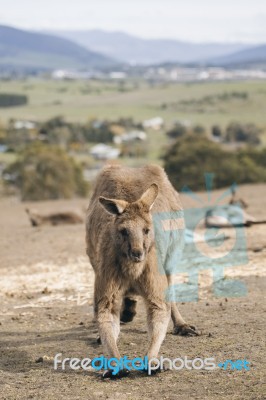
x=121, y=247
x=56, y=218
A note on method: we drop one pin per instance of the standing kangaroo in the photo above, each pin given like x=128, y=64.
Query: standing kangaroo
x=121, y=247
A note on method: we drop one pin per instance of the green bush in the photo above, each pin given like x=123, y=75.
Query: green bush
x=43, y=172
x=96, y=135
x=12, y=100
x=177, y=131
x=248, y=133
x=192, y=156
x=198, y=129
x=216, y=131
x=180, y=130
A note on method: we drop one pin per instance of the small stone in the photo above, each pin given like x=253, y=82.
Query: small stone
x=43, y=359
x=257, y=249
x=46, y=291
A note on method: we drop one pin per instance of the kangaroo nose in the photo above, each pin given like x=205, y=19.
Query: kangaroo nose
x=137, y=254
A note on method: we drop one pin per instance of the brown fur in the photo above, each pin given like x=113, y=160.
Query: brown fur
x=121, y=248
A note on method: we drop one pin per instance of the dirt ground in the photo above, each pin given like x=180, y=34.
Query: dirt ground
x=46, y=308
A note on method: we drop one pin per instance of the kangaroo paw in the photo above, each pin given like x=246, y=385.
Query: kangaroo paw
x=185, y=330
x=108, y=374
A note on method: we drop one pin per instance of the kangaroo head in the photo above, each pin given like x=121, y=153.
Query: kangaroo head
x=133, y=224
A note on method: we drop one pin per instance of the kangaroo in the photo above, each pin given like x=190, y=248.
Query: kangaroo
x=120, y=242
x=56, y=218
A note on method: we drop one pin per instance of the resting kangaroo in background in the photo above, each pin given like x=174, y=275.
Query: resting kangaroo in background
x=55, y=218
x=121, y=248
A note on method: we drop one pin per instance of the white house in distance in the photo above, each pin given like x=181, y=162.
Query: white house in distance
x=102, y=151
x=21, y=124
x=153, y=123
x=130, y=137
x=117, y=75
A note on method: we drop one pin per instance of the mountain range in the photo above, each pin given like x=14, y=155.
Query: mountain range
x=24, y=49
x=96, y=49
x=250, y=56
x=135, y=50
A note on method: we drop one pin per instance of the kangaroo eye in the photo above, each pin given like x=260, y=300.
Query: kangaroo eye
x=124, y=232
x=146, y=231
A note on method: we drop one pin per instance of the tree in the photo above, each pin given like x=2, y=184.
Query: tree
x=177, y=131
x=192, y=156
x=12, y=100
x=216, y=131
x=199, y=129
x=44, y=172
x=236, y=132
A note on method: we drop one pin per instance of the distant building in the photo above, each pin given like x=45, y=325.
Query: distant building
x=118, y=75
x=64, y=74
x=102, y=151
x=153, y=123
x=21, y=124
x=130, y=137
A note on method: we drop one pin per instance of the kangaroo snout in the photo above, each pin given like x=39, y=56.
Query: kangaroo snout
x=137, y=255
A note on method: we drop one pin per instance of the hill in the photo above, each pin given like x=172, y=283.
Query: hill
x=253, y=55
x=131, y=49
x=24, y=49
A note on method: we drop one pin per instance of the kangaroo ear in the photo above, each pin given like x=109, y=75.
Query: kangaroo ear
x=113, y=206
x=148, y=198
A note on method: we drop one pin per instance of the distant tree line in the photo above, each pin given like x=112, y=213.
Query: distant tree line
x=205, y=103
x=179, y=129
x=58, y=131
x=233, y=133
x=238, y=132
x=12, y=100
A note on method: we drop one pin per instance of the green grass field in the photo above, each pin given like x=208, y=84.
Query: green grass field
x=80, y=101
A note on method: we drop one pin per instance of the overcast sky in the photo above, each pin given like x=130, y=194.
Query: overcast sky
x=194, y=20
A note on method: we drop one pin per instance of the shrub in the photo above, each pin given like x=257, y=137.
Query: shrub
x=177, y=131
x=43, y=172
x=198, y=129
x=12, y=100
x=96, y=135
x=192, y=156
x=236, y=132
x=216, y=131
